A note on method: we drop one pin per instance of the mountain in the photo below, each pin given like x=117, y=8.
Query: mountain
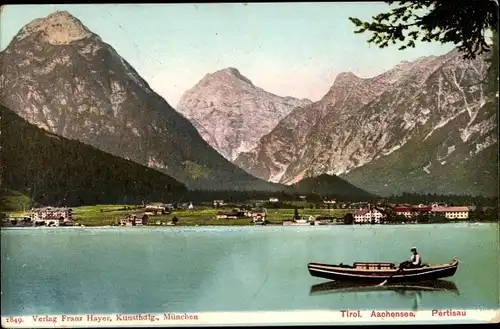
x=329, y=185
x=60, y=76
x=51, y=169
x=433, y=109
x=441, y=162
x=231, y=113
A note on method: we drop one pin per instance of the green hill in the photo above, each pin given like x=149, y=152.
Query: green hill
x=52, y=170
x=329, y=185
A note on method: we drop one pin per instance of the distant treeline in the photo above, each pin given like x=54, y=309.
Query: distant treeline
x=235, y=198
x=481, y=214
x=243, y=196
x=451, y=200
x=285, y=198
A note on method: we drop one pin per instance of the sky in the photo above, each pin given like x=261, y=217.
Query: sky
x=289, y=49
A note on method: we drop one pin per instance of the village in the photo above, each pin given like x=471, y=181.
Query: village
x=257, y=212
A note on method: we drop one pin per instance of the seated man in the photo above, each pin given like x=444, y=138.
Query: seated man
x=414, y=262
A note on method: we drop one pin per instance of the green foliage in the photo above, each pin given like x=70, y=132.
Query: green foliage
x=492, y=76
x=348, y=219
x=481, y=213
x=53, y=170
x=400, y=219
x=462, y=23
x=13, y=201
x=279, y=205
x=196, y=171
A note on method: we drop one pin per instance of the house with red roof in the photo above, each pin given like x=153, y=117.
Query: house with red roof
x=409, y=211
x=460, y=212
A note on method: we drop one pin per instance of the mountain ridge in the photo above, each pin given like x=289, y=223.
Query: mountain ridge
x=361, y=119
x=79, y=87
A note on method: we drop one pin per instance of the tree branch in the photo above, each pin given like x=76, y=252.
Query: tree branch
x=460, y=22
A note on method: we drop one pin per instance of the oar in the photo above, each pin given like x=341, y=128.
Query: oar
x=385, y=281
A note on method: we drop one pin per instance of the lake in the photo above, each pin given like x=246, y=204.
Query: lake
x=202, y=269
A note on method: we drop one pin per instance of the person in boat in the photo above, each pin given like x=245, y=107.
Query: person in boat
x=414, y=262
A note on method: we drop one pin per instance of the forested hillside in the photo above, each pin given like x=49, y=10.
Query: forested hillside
x=53, y=170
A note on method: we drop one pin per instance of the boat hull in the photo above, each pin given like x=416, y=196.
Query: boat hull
x=352, y=274
x=346, y=286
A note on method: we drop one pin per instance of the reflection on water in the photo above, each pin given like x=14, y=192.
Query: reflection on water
x=411, y=289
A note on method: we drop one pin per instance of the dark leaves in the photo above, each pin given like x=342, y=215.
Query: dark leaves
x=462, y=23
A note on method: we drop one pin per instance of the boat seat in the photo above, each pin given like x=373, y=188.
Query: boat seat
x=374, y=266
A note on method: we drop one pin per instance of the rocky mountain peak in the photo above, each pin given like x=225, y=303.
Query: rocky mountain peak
x=219, y=106
x=347, y=77
x=231, y=73
x=344, y=85
x=58, y=28
x=343, y=77
x=404, y=65
x=232, y=70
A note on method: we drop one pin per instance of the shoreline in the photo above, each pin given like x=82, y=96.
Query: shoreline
x=239, y=225
x=118, y=215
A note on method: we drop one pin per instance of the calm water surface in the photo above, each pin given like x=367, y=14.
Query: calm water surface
x=176, y=269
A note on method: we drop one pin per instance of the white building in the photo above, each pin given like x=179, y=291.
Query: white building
x=131, y=220
x=228, y=215
x=219, y=203
x=256, y=214
x=367, y=216
x=155, y=208
x=451, y=212
x=52, y=215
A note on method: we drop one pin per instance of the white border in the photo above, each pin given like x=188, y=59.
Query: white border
x=332, y=317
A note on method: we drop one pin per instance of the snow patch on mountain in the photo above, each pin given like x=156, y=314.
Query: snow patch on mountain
x=426, y=168
x=489, y=141
x=277, y=175
x=155, y=163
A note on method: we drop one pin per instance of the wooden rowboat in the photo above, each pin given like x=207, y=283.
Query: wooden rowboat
x=376, y=272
